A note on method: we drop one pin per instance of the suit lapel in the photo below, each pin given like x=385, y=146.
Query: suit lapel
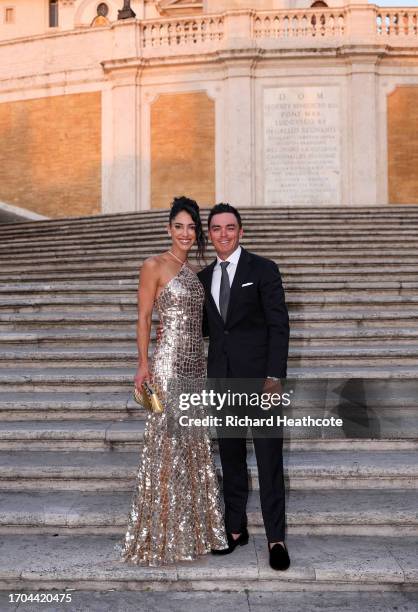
x=207, y=284
x=241, y=275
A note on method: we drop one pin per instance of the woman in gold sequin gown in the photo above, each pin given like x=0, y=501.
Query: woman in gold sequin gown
x=175, y=513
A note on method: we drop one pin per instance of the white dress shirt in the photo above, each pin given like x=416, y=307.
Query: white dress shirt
x=217, y=273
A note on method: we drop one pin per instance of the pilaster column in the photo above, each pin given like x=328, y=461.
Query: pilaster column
x=66, y=14
x=120, y=117
x=238, y=134
x=363, y=131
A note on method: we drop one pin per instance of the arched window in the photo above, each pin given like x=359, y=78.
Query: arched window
x=319, y=4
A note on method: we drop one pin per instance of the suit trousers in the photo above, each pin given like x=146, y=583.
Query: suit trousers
x=269, y=456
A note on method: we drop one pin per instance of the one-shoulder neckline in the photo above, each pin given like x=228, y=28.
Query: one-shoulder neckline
x=171, y=280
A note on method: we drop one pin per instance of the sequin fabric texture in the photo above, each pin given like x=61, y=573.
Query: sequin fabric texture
x=175, y=513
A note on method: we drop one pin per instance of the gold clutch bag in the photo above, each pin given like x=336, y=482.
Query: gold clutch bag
x=148, y=398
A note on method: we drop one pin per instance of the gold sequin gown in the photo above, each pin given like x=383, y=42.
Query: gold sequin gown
x=175, y=513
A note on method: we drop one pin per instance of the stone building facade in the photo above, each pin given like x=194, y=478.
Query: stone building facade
x=260, y=103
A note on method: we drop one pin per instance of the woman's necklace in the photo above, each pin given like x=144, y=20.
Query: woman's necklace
x=178, y=258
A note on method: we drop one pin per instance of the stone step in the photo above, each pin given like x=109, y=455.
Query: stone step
x=319, y=563
x=105, y=379
x=293, y=297
x=277, y=250
x=269, y=238
x=367, y=209
x=311, y=231
x=287, y=240
x=116, y=261
x=297, y=221
x=303, y=226
x=383, y=409
x=245, y=601
x=263, y=233
x=391, y=393
x=371, y=427
x=97, y=356
x=308, y=512
x=265, y=218
x=111, y=286
x=115, y=471
x=127, y=302
x=302, y=221
x=304, y=276
x=122, y=321
x=278, y=245
x=128, y=288
x=76, y=435
x=56, y=405
x=269, y=241
x=285, y=214
x=374, y=412
x=309, y=227
x=274, y=251
x=119, y=268
x=88, y=337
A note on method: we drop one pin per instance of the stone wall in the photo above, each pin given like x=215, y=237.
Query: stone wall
x=50, y=154
x=182, y=148
x=29, y=18
x=184, y=109
x=402, y=117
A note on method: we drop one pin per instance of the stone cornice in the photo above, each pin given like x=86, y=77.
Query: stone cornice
x=249, y=58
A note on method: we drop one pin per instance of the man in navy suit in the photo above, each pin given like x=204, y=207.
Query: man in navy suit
x=248, y=326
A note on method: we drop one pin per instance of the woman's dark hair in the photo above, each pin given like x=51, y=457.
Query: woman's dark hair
x=191, y=207
x=224, y=208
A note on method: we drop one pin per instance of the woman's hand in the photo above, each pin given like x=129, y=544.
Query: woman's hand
x=142, y=374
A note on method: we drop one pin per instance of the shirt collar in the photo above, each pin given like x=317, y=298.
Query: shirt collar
x=233, y=258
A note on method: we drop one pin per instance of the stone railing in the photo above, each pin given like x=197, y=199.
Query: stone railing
x=369, y=22
x=397, y=22
x=242, y=30
x=182, y=32
x=300, y=23
x=356, y=23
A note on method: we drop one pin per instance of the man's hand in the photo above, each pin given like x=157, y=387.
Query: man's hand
x=272, y=385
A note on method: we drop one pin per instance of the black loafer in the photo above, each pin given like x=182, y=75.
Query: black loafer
x=242, y=540
x=279, y=557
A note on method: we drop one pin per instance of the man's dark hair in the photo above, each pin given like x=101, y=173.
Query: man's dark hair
x=224, y=208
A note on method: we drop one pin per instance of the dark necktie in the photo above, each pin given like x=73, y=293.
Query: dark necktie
x=224, y=291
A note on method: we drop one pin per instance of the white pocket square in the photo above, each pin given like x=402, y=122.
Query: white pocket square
x=246, y=284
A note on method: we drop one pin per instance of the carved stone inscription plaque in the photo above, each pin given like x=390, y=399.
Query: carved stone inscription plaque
x=302, y=146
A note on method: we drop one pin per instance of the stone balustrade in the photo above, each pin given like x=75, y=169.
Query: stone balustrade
x=68, y=51
x=300, y=23
x=332, y=22
x=182, y=32
x=346, y=24
x=396, y=23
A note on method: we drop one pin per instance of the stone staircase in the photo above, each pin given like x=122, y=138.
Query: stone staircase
x=70, y=432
